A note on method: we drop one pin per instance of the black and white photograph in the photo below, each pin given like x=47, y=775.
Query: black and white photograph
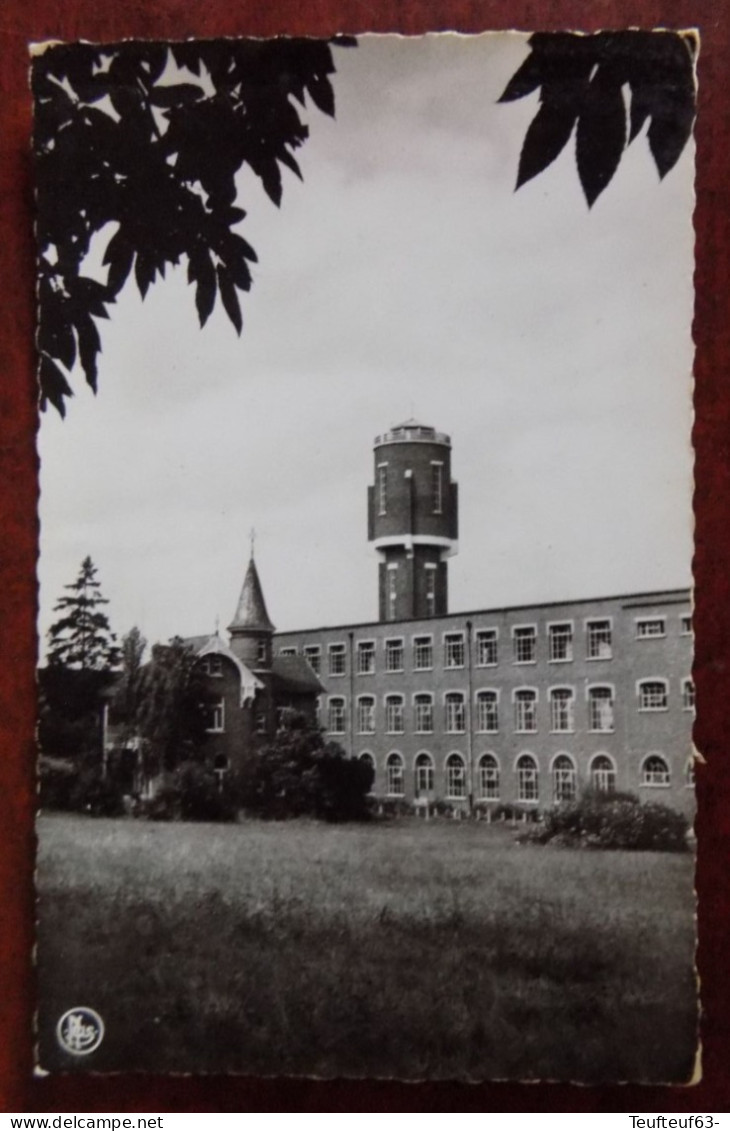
x=365, y=577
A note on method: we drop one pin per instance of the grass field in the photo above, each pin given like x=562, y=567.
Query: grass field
x=411, y=949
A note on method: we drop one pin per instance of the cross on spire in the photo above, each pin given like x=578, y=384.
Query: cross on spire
x=252, y=536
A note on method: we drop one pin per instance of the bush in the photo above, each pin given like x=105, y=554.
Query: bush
x=192, y=794
x=57, y=779
x=96, y=795
x=612, y=820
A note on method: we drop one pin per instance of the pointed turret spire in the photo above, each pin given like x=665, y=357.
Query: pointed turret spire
x=251, y=609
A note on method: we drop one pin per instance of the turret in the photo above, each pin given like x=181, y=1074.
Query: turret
x=413, y=520
x=251, y=630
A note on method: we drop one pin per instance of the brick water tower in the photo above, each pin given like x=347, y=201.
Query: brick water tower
x=413, y=520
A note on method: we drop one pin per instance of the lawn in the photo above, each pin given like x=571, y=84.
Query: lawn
x=411, y=949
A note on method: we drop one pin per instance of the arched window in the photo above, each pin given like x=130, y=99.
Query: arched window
x=488, y=778
x=424, y=775
x=603, y=774
x=368, y=759
x=487, y=712
x=561, y=709
x=394, y=714
x=423, y=713
x=653, y=695
x=655, y=771
x=455, y=712
x=527, y=778
x=336, y=715
x=394, y=775
x=455, y=777
x=525, y=710
x=600, y=708
x=563, y=779
x=366, y=714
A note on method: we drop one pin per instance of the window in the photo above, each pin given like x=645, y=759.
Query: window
x=430, y=591
x=216, y=717
x=525, y=710
x=260, y=722
x=382, y=488
x=213, y=665
x=365, y=657
x=599, y=643
x=688, y=695
x=689, y=774
x=525, y=640
x=655, y=771
x=653, y=695
x=423, y=713
x=487, y=712
x=394, y=714
x=454, y=650
x=488, y=778
x=220, y=769
x=685, y=623
x=603, y=774
x=392, y=591
x=336, y=716
x=600, y=708
x=366, y=715
x=437, y=487
x=527, y=779
x=563, y=779
x=337, y=659
x=486, y=641
x=562, y=701
x=560, y=643
x=424, y=775
x=261, y=655
x=394, y=655
x=394, y=775
x=312, y=654
x=368, y=760
x=648, y=627
x=423, y=653
x=287, y=651
x=455, y=713
x=455, y=777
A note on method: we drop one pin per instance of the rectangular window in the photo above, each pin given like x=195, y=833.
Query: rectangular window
x=688, y=695
x=454, y=650
x=312, y=654
x=600, y=708
x=423, y=714
x=365, y=657
x=487, y=712
x=486, y=641
x=394, y=655
x=653, y=696
x=217, y=717
x=649, y=627
x=686, y=624
x=525, y=641
x=560, y=639
x=366, y=715
x=287, y=651
x=213, y=665
x=394, y=715
x=382, y=488
x=561, y=710
x=423, y=653
x=336, y=716
x=599, y=645
x=437, y=487
x=525, y=711
x=337, y=659
x=455, y=713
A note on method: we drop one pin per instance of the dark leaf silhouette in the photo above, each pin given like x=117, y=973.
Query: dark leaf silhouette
x=159, y=173
x=582, y=78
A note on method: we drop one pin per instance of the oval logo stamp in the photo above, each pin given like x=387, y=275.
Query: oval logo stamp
x=80, y=1030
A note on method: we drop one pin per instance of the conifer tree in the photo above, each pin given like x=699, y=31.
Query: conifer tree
x=81, y=639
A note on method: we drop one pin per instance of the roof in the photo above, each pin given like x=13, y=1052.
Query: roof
x=294, y=674
x=215, y=645
x=251, y=609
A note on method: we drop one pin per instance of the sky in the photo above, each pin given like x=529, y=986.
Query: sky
x=404, y=277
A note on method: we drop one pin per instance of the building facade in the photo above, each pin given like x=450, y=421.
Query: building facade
x=521, y=706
